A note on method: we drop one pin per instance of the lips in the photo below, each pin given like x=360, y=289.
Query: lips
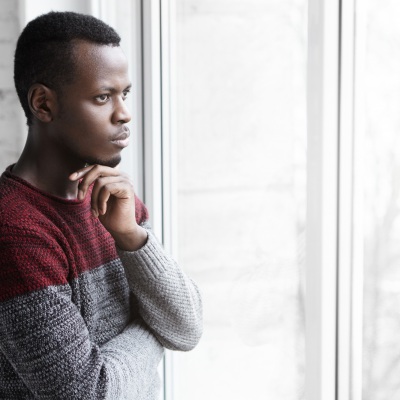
x=122, y=138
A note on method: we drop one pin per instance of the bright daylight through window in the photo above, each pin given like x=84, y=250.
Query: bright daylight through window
x=240, y=73
x=381, y=181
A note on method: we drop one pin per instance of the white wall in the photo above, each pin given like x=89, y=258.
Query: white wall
x=11, y=128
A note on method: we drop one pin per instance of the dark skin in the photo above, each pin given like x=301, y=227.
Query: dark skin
x=85, y=124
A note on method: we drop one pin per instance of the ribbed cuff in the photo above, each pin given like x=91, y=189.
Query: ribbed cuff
x=146, y=263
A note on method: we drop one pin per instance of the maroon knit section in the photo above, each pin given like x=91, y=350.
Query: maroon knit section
x=46, y=240
x=141, y=212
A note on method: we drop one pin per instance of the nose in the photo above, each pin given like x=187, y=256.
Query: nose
x=121, y=113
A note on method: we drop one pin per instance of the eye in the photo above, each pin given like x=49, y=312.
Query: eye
x=125, y=93
x=103, y=98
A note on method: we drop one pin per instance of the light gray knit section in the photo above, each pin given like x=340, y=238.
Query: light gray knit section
x=169, y=301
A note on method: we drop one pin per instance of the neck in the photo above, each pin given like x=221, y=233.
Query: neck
x=44, y=167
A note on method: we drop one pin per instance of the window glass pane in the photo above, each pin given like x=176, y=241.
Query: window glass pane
x=381, y=160
x=240, y=73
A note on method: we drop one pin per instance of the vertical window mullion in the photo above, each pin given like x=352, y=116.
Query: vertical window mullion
x=322, y=207
x=349, y=271
x=166, y=24
x=358, y=201
x=151, y=53
x=152, y=127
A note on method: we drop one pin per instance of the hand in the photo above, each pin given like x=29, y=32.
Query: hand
x=113, y=202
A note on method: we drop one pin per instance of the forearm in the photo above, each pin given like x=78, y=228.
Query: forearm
x=131, y=359
x=169, y=301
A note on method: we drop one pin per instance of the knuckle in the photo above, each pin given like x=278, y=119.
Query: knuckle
x=100, y=181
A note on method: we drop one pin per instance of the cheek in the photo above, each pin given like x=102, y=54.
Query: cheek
x=87, y=117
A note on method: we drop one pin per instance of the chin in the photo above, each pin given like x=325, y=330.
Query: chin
x=112, y=162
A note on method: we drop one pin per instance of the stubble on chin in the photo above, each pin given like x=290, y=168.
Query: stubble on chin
x=112, y=163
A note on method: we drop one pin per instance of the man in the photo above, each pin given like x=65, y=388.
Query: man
x=88, y=298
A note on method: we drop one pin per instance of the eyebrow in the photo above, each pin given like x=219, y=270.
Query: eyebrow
x=112, y=89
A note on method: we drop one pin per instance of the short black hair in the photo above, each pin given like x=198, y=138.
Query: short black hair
x=44, y=51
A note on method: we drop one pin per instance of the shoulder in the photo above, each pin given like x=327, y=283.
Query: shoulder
x=25, y=208
x=16, y=200
x=31, y=257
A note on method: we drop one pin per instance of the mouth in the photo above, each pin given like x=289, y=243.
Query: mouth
x=122, y=138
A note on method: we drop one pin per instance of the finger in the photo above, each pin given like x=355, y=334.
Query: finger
x=118, y=190
x=97, y=187
x=90, y=176
x=102, y=199
x=80, y=173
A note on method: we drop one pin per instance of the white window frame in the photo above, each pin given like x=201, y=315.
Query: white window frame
x=334, y=248
x=334, y=241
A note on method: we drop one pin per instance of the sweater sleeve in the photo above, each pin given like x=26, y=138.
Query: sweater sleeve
x=169, y=301
x=44, y=336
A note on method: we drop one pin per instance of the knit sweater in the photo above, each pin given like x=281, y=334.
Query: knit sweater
x=79, y=318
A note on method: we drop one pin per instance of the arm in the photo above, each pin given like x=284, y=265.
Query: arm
x=169, y=301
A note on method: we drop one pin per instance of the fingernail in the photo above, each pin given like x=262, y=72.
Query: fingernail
x=94, y=213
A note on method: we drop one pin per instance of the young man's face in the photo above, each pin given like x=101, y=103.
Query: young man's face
x=90, y=123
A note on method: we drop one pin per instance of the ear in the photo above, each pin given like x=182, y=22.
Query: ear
x=42, y=102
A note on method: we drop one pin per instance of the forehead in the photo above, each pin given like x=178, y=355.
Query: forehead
x=99, y=64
